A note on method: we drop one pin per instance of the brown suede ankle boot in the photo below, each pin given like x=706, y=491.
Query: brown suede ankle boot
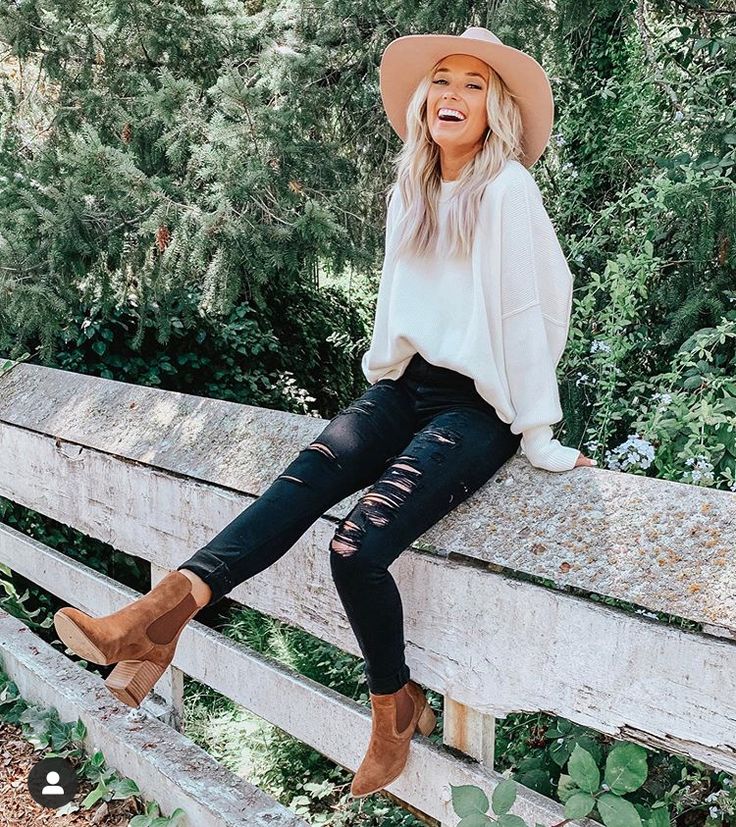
x=141, y=637
x=388, y=749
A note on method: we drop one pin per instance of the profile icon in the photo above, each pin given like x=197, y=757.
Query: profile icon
x=52, y=782
x=52, y=788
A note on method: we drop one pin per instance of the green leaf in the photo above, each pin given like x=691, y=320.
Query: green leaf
x=658, y=817
x=66, y=809
x=125, y=787
x=94, y=795
x=474, y=820
x=177, y=816
x=468, y=799
x=626, y=768
x=503, y=796
x=583, y=770
x=617, y=812
x=508, y=820
x=79, y=731
x=579, y=805
x=566, y=787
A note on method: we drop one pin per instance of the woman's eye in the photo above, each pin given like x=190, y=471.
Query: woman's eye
x=442, y=80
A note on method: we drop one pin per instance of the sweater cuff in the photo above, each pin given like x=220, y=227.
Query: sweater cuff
x=547, y=453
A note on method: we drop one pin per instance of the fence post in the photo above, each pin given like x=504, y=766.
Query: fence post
x=170, y=686
x=469, y=731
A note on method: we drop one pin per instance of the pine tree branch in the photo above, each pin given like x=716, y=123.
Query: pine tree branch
x=649, y=52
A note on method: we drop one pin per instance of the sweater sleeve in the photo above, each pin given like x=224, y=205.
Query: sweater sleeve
x=394, y=213
x=536, y=301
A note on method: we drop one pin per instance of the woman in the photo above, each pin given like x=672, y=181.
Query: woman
x=471, y=320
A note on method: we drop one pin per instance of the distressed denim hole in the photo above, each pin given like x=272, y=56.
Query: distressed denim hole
x=378, y=505
x=318, y=446
x=289, y=477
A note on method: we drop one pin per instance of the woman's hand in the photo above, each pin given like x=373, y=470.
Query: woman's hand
x=583, y=460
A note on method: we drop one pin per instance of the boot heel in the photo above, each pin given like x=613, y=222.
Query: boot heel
x=427, y=720
x=131, y=680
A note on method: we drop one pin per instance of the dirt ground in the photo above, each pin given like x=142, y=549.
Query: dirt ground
x=17, y=807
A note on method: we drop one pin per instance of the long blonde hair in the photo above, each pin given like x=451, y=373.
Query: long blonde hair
x=418, y=172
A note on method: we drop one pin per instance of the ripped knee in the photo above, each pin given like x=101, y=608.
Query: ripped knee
x=377, y=506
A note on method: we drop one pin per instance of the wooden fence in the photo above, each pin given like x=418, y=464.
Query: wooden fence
x=156, y=474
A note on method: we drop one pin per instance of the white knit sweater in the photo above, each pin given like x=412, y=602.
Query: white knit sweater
x=500, y=315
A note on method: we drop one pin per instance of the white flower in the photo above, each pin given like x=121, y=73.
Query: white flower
x=634, y=453
x=560, y=140
x=599, y=344
x=89, y=200
x=702, y=471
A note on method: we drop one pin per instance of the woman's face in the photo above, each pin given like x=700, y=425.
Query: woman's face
x=459, y=83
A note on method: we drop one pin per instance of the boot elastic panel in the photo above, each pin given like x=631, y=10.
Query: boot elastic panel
x=166, y=627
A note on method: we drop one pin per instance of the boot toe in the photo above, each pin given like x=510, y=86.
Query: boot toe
x=364, y=784
x=375, y=773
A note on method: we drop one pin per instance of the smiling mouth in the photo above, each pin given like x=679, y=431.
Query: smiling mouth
x=450, y=120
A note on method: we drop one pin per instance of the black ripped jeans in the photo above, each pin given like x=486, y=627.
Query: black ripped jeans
x=423, y=443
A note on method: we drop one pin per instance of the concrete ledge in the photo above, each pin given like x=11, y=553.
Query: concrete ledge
x=168, y=767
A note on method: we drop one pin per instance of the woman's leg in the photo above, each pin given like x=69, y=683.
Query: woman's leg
x=456, y=452
x=350, y=452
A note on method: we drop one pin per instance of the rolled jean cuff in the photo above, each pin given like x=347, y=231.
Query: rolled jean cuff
x=216, y=576
x=388, y=684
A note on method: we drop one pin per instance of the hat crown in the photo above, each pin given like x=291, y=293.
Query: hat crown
x=479, y=33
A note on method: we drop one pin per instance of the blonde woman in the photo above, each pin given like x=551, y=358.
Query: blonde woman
x=471, y=320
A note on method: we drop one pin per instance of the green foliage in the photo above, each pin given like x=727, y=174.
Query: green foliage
x=581, y=790
x=168, y=170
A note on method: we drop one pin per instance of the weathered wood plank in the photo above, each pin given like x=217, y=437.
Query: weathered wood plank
x=491, y=642
x=662, y=545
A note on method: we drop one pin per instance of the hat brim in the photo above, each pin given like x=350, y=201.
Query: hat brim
x=407, y=59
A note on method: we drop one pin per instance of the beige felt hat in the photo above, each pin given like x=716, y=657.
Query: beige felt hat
x=407, y=59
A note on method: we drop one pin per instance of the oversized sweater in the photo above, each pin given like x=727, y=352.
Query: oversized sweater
x=500, y=315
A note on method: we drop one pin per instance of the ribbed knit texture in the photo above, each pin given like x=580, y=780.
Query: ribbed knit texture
x=500, y=315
